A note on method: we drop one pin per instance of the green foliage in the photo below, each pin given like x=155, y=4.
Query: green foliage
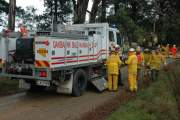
x=136, y=18
x=64, y=9
x=7, y=84
x=28, y=16
x=129, y=20
x=4, y=6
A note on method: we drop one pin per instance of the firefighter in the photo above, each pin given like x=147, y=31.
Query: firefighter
x=132, y=63
x=147, y=74
x=174, y=51
x=23, y=30
x=140, y=58
x=147, y=56
x=119, y=53
x=165, y=51
x=155, y=62
x=113, y=63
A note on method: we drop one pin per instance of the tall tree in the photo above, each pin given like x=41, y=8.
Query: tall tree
x=103, y=10
x=12, y=14
x=57, y=12
x=94, y=11
x=4, y=6
x=28, y=17
x=80, y=9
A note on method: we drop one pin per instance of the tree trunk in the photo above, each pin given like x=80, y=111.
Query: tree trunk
x=94, y=10
x=12, y=13
x=80, y=10
x=134, y=10
x=103, y=15
x=55, y=17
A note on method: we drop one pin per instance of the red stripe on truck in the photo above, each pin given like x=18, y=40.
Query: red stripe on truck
x=55, y=63
x=103, y=50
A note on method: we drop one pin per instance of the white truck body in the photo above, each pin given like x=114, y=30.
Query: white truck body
x=6, y=44
x=67, y=60
x=64, y=51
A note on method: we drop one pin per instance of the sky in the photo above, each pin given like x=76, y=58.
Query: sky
x=38, y=4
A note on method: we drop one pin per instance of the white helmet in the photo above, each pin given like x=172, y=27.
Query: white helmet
x=117, y=46
x=138, y=48
x=112, y=48
x=131, y=50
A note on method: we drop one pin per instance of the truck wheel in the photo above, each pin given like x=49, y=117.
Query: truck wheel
x=79, y=82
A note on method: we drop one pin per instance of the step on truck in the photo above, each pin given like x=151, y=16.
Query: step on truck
x=66, y=60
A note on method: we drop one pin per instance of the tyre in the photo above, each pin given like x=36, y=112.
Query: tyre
x=79, y=82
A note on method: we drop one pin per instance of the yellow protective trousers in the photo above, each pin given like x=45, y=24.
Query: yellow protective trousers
x=132, y=79
x=112, y=82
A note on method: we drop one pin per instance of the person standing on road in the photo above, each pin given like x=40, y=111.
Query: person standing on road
x=147, y=74
x=140, y=57
x=132, y=63
x=23, y=30
x=155, y=63
x=113, y=63
x=147, y=57
x=165, y=51
x=119, y=53
x=174, y=51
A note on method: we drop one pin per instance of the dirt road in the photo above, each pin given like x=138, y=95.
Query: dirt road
x=48, y=106
x=51, y=106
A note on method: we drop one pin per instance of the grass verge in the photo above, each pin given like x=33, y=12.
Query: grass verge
x=8, y=86
x=158, y=102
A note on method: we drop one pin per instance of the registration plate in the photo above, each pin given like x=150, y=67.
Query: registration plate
x=43, y=83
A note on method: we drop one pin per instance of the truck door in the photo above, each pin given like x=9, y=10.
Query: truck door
x=98, y=37
x=91, y=42
x=119, y=39
x=112, y=39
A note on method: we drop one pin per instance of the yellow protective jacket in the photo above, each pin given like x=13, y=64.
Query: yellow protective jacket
x=113, y=62
x=155, y=61
x=165, y=51
x=132, y=64
x=147, y=57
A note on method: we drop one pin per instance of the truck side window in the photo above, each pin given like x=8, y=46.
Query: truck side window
x=111, y=36
x=91, y=33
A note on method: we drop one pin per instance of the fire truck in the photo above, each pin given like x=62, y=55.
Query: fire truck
x=67, y=60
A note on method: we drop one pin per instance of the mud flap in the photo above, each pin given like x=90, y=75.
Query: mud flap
x=100, y=84
x=65, y=86
x=23, y=84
